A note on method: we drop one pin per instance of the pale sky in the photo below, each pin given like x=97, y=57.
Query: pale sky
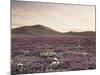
x=60, y=17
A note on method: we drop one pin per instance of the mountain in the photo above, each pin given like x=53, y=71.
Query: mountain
x=34, y=30
x=43, y=30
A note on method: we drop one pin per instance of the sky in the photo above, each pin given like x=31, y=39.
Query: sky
x=60, y=17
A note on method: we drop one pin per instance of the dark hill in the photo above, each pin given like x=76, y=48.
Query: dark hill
x=34, y=30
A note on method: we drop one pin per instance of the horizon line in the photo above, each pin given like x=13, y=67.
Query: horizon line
x=54, y=29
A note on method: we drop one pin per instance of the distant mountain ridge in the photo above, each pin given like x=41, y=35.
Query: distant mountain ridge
x=85, y=33
x=43, y=30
